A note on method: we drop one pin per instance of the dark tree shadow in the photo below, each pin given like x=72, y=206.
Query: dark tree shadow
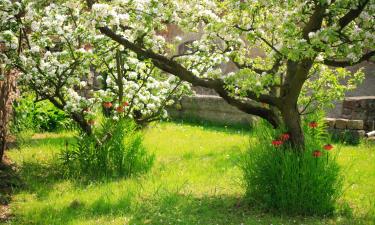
x=58, y=142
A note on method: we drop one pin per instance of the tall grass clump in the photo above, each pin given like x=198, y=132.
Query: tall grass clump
x=115, y=149
x=280, y=179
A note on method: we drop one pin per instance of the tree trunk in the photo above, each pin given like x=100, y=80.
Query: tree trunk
x=3, y=145
x=8, y=93
x=82, y=123
x=292, y=122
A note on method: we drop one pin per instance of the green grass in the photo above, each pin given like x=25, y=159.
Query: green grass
x=195, y=180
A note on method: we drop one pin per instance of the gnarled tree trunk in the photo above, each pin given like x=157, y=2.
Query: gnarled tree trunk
x=8, y=93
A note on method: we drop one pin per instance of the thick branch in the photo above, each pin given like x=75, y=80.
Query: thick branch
x=352, y=14
x=315, y=21
x=178, y=70
x=337, y=63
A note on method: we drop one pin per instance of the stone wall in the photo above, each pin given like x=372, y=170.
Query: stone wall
x=209, y=108
x=345, y=129
x=367, y=88
x=357, y=118
x=360, y=108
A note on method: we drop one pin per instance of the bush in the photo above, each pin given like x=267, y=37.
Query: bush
x=38, y=116
x=114, y=149
x=294, y=183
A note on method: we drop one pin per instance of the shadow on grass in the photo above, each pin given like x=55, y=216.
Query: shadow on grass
x=39, y=177
x=39, y=172
x=171, y=208
x=166, y=209
x=55, y=142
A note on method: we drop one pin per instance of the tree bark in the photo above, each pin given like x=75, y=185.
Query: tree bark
x=292, y=122
x=297, y=73
x=3, y=145
x=8, y=93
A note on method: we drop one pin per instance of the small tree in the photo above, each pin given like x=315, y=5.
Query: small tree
x=306, y=46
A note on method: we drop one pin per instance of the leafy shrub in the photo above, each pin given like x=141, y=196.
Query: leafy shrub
x=49, y=118
x=295, y=183
x=38, y=116
x=348, y=137
x=114, y=149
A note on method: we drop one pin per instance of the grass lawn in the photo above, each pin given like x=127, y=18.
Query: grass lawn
x=195, y=180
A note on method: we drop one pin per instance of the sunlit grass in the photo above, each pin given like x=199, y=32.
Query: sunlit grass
x=195, y=180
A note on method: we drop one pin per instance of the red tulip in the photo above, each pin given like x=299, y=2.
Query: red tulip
x=125, y=104
x=317, y=153
x=107, y=104
x=285, y=136
x=313, y=124
x=328, y=147
x=277, y=143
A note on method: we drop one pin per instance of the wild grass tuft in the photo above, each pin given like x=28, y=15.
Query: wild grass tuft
x=115, y=149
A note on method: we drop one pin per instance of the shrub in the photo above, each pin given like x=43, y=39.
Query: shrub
x=38, y=116
x=114, y=149
x=295, y=183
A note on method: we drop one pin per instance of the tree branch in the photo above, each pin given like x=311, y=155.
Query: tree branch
x=352, y=14
x=337, y=63
x=218, y=85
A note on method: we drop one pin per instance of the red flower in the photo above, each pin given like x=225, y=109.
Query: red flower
x=120, y=109
x=277, y=143
x=107, y=104
x=125, y=104
x=313, y=124
x=328, y=147
x=284, y=136
x=317, y=153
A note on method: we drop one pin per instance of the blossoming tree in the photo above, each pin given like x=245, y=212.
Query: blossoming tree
x=305, y=48
x=61, y=56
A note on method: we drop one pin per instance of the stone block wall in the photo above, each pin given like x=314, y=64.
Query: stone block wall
x=209, y=108
x=345, y=129
x=367, y=88
x=357, y=118
x=360, y=108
